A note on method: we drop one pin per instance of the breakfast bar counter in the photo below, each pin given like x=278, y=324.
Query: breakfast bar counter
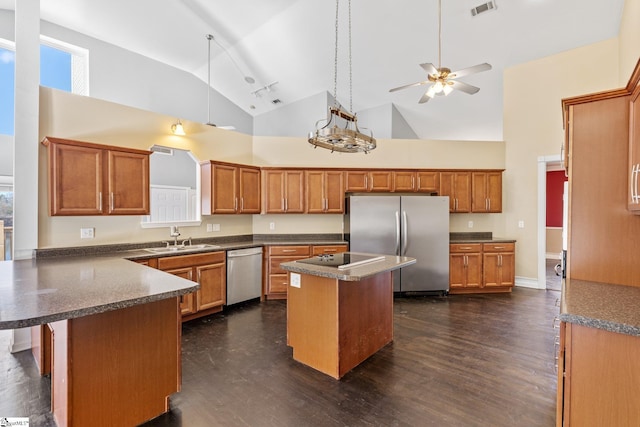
x=111, y=332
x=338, y=316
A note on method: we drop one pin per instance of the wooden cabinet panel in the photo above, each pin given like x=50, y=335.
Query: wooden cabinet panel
x=284, y=191
x=428, y=181
x=487, y=192
x=478, y=268
x=356, y=181
x=381, y=181
x=276, y=280
x=94, y=179
x=325, y=191
x=634, y=152
x=228, y=188
x=404, y=181
x=206, y=269
x=456, y=185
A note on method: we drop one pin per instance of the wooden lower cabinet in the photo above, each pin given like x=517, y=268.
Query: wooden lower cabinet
x=481, y=268
x=598, y=377
x=275, y=279
x=208, y=270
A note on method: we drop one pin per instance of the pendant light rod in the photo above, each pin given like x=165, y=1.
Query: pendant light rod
x=439, y=34
x=209, y=38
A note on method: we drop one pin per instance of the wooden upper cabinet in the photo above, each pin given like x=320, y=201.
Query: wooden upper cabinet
x=283, y=191
x=381, y=181
x=456, y=185
x=356, y=181
x=325, y=191
x=229, y=188
x=634, y=152
x=94, y=179
x=486, y=192
x=428, y=181
x=404, y=181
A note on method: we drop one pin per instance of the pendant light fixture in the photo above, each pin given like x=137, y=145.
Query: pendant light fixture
x=346, y=138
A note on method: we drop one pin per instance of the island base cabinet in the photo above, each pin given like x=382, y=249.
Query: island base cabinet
x=116, y=368
x=599, y=378
x=334, y=325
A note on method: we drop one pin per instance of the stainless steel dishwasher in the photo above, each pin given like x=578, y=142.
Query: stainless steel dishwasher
x=244, y=274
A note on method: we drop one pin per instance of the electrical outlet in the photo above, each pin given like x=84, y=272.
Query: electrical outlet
x=209, y=228
x=521, y=224
x=87, y=233
x=272, y=226
x=470, y=224
x=216, y=227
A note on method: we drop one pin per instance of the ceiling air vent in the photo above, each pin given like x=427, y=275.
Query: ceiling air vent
x=485, y=7
x=276, y=101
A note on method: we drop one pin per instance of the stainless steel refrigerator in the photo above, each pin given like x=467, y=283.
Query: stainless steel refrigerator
x=410, y=225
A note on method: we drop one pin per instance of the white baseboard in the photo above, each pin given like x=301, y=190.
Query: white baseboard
x=20, y=340
x=527, y=282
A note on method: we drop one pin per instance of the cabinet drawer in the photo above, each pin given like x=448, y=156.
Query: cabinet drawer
x=465, y=247
x=289, y=250
x=191, y=260
x=499, y=247
x=278, y=283
x=328, y=249
x=274, y=263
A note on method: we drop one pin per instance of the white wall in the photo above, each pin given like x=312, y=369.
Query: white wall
x=6, y=157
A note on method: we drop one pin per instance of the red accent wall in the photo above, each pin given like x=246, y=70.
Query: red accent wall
x=555, y=183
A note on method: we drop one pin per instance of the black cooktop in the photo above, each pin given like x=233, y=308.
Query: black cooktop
x=342, y=260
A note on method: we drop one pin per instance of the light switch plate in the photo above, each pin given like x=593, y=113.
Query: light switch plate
x=87, y=233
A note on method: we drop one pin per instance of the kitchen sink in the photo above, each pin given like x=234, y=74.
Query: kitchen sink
x=189, y=248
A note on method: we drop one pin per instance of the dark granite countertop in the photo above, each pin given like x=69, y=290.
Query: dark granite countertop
x=352, y=274
x=478, y=237
x=35, y=292
x=614, y=308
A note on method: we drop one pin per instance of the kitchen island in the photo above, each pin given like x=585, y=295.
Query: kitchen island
x=112, y=328
x=338, y=317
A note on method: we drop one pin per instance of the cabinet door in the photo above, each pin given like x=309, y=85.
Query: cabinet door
x=249, y=187
x=634, y=152
x=315, y=190
x=212, y=280
x=486, y=192
x=474, y=270
x=356, y=181
x=428, y=181
x=457, y=271
x=294, y=184
x=404, y=181
x=274, y=191
x=187, y=305
x=491, y=270
x=75, y=180
x=456, y=185
x=334, y=192
x=128, y=183
x=381, y=181
x=225, y=189
x=507, y=268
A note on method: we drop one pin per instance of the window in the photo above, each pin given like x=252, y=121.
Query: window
x=62, y=66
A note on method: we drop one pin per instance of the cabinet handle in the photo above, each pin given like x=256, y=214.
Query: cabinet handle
x=466, y=261
x=466, y=248
x=413, y=186
x=235, y=205
x=286, y=205
x=329, y=250
x=366, y=182
x=288, y=250
x=498, y=247
x=110, y=201
x=637, y=196
x=282, y=204
x=632, y=181
x=489, y=202
x=419, y=182
x=500, y=260
x=100, y=201
x=455, y=204
x=241, y=204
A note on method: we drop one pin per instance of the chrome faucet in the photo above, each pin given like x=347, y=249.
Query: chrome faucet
x=174, y=232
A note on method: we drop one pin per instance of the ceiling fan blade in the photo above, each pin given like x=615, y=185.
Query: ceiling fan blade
x=464, y=87
x=410, y=85
x=425, y=98
x=429, y=68
x=471, y=70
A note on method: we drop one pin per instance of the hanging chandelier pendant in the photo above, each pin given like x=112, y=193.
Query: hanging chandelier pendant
x=344, y=138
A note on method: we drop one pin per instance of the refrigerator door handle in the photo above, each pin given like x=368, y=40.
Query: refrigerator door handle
x=405, y=235
x=397, y=233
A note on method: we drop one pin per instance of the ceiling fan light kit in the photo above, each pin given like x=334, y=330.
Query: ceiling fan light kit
x=347, y=138
x=442, y=79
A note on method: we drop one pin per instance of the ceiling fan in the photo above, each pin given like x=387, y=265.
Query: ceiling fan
x=442, y=79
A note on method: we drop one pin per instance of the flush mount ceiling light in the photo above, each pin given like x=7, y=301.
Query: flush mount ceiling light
x=346, y=138
x=442, y=79
x=177, y=128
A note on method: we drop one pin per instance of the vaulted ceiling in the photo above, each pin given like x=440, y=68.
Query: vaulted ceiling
x=292, y=42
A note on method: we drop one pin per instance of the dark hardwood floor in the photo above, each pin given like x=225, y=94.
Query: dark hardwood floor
x=483, y=360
